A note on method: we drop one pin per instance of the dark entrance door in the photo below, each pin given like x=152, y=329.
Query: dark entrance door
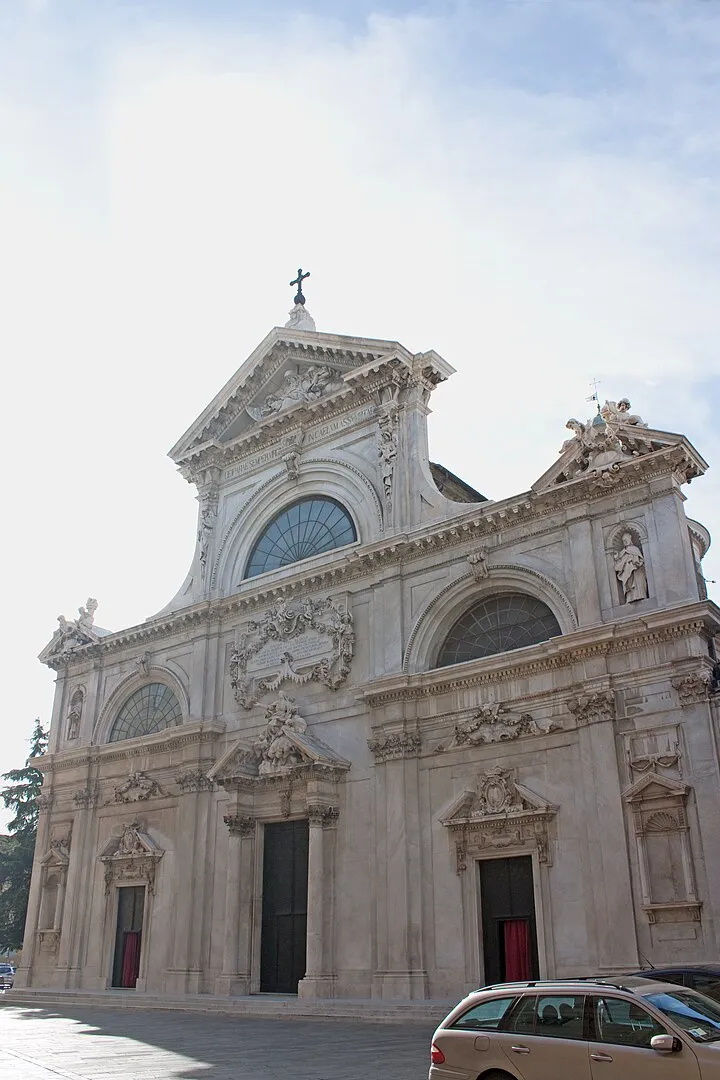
x=284, y=912
x=508, y=919
x=128, y=936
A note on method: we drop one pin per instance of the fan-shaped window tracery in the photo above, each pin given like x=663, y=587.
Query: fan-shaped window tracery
x=498, y=624
x=150, y=709
x=308, y=527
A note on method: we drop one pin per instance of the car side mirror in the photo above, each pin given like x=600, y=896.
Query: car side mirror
x=665, y=1044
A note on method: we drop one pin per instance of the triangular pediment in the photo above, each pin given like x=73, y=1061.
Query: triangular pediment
x=289, y=373
x=133, y=843
x=243, y=760
x=497, y=795
x=58, y=854
x=597, y=450
x=653, y=786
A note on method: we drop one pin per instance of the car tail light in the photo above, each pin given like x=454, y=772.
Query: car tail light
x=436, y=1055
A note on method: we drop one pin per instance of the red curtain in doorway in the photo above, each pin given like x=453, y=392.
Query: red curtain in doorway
x=516, y=939
x=130, y=958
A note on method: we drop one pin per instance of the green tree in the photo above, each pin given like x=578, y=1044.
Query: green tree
x=18, y=847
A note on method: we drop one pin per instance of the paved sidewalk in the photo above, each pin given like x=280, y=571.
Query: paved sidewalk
x=87, y=1043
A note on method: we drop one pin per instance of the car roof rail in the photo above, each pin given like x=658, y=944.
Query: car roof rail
x=582, y=979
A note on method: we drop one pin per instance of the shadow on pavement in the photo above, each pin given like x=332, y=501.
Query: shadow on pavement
x=108, y=1043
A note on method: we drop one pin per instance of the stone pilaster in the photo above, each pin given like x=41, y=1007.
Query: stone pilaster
x=319, y=980
x=185, y=975
x=237, y=939
x=400, y=971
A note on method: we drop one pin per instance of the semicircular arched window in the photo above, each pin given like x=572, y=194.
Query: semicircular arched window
x=306, y=528
x=498, y=624
x=149, y=709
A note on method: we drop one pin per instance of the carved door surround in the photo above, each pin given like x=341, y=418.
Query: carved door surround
x=499, y=818
x=659, y=809
x=284, y=774
x=129, y=857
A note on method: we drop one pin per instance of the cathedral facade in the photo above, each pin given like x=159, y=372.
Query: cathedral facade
x=390, y=739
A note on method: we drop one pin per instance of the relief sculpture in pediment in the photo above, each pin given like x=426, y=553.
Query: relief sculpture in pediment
x=297, y=388
x=319, y=631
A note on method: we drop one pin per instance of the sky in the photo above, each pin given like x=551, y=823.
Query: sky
x=530, y=187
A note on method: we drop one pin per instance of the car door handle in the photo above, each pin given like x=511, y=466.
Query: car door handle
x=601, y=1057
x=520, y=1049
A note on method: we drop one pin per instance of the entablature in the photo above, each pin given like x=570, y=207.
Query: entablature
x=535, y=514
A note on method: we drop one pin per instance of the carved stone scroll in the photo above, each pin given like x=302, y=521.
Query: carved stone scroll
x=396, y=745
x=137, y=788
x=192, y=781
x=493, y=723
x=320, y=627
x=691, y=689
x=592, y=708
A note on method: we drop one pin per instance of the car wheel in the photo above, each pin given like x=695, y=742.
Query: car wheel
x=495, y=1074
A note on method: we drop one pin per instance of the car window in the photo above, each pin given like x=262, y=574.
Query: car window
x=707, y=984
x=485, y=1016
x=624, y=1023
x=559, y=1016
x=522, y=1020
x=696, y=1015
x=667, y=976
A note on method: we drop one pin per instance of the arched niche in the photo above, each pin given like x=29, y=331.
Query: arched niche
x=443, y=611
x=323, y=478
x=127, y=687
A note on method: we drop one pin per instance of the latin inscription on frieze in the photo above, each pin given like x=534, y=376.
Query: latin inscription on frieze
x=314, y=435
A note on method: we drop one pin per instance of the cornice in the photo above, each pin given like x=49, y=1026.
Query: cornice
x=189, y=735
x=563, y=652
x=338, y=569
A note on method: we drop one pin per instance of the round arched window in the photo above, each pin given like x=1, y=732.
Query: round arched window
x=151, y=708
x=498, y=624
x=306, y=528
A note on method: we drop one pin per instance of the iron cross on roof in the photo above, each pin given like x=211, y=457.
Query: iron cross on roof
x=299, y=298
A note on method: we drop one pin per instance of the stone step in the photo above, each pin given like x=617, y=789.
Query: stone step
x=261, y=1006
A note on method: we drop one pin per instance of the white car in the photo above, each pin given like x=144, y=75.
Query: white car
x=631, y=1029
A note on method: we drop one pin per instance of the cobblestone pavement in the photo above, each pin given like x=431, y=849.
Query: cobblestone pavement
x=87, y=1043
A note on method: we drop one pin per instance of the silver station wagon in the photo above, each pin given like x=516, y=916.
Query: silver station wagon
x=634, y=1029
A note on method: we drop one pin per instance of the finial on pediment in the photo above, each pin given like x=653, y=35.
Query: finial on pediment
x=300, y=318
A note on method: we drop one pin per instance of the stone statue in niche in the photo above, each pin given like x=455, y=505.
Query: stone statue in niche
x=205, y=528
x=74, y=715
x=629, y=565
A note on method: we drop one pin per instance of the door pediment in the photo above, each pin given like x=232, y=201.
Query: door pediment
x=285, y=746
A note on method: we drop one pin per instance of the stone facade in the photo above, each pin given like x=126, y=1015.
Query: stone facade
x=312, y=693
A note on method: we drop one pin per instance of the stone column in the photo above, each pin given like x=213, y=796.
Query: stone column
x=319, y=980
x=400, y=971
x=237, y=941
